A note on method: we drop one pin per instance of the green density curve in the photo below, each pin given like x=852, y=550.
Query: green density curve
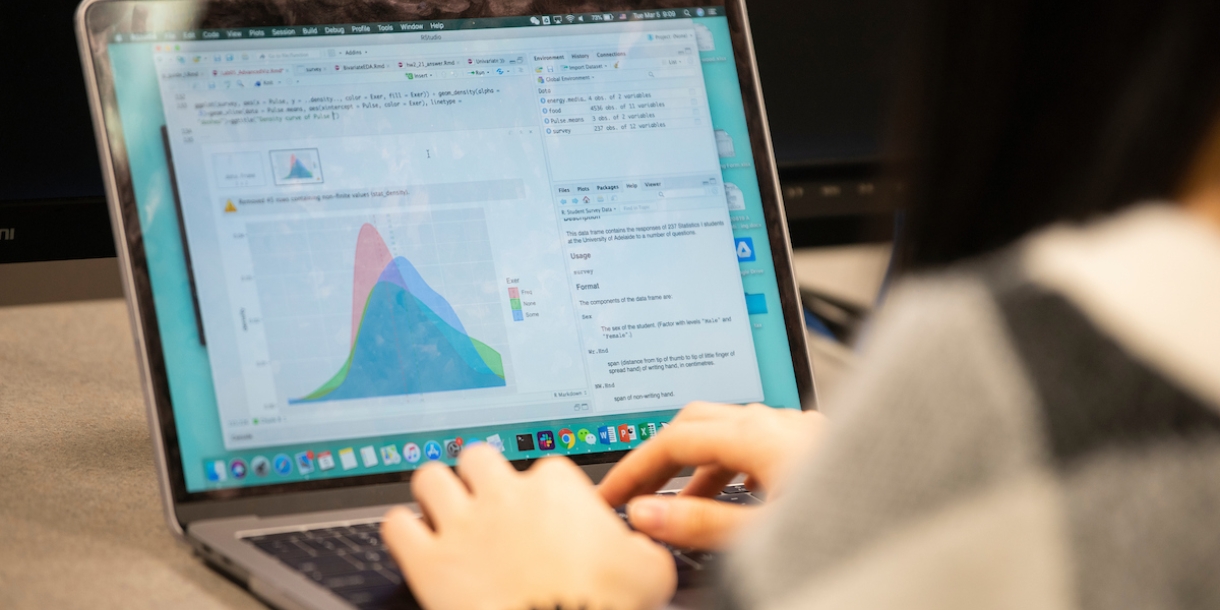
x=489, y=355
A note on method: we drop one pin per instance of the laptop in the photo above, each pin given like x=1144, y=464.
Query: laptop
x=357, y=237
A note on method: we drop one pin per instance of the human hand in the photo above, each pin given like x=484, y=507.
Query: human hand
x=503, y=540
x=721, y=441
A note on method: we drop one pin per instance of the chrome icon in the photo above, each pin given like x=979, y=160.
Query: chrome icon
x=567, y=439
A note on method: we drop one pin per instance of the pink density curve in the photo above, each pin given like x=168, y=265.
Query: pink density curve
x=372, y=256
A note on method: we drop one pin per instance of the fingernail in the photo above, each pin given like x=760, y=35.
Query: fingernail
x=647, y=513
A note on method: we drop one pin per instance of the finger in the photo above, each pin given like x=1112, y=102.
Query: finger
x=439, y=493
x=655, y=462
x=484, y=470
x=688, y=522
x=627, y=480
x=561, y=470
x=703, y=411
x=661, y=473
x=407, y=536
x=753, y=484
x=708, y=481
x=659, y=575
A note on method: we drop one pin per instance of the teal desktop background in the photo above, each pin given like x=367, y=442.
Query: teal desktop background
x=728, y=114
x=186, y=361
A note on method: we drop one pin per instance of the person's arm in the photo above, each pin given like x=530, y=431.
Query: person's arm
x=721, y=442
x=497, y=539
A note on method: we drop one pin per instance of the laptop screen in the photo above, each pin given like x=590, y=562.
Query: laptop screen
x=371, y=245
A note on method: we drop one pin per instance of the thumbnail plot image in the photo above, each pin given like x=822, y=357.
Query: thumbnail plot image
x=380, y=305
x=298, y=166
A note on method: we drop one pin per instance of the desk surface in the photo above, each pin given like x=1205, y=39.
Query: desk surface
x=80, y=519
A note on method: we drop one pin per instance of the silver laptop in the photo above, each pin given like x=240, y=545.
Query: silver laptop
x=357, y=236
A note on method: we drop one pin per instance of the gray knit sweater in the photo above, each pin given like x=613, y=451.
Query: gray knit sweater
x=1040, y=430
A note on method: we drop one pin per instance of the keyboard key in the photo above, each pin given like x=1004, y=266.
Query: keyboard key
x=285, y=549
x=358, y=580
x=683, y=563
x=321, y=568
x=329, y=532
x=702, y=558
x=390, y=571
x=743, y=499
x=323, y=546
x=350, y=543
x=382, y=598
x=372, y=541
x=370, y=557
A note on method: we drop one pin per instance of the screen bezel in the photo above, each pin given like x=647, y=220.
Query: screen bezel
x=93, y=34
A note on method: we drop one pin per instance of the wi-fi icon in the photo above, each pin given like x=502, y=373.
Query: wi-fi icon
x=571, y=18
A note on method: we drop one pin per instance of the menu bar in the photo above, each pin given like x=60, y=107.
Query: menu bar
x=397, y=27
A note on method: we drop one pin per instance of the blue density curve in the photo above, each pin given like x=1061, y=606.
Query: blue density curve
x=403, y=347
x=403, y=273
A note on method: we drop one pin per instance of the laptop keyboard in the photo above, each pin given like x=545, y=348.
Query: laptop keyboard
x=353, y=562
